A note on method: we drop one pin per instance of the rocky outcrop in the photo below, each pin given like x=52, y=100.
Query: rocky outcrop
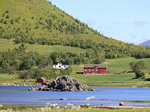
x=122, y=104
x=63, y=83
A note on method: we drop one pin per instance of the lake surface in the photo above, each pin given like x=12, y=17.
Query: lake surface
x=104, y=96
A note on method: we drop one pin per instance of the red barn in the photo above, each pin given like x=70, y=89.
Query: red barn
x=41, y=80
x=95, y=69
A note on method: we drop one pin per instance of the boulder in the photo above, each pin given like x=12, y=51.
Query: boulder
x=122, y=104
x=64, y=83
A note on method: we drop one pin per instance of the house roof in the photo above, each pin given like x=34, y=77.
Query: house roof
x=95, y=66
x=63, y=63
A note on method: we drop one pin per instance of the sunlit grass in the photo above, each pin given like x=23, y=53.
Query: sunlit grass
x=41, y=49
x=117, y=74
x=14, y=78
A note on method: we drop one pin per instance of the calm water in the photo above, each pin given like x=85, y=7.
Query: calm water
x=105, y=96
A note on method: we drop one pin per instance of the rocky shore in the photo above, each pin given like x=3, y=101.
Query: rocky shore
x=13, y=84
x=50, y=107
x=62, y=83
x=71, y=106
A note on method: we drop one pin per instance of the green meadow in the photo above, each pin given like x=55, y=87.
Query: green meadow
x=117, y=75
x=14, y=78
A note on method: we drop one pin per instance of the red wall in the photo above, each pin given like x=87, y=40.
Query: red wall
x=40, y=80
x=95, y=70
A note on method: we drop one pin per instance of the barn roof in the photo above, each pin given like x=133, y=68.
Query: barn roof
x=95, y=66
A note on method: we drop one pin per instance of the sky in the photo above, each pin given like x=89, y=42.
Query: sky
x=125, y=20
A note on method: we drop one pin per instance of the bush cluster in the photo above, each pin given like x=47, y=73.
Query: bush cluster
x=137, y=68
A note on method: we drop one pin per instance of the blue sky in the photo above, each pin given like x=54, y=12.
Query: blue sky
x=125, y=20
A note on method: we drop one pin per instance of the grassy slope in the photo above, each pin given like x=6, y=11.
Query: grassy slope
x=26, y=9
x=30, y=13
x=41, y=49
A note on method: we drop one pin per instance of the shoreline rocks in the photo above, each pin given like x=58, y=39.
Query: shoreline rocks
x=13, y=84
x=122, y=104
x=62, y=83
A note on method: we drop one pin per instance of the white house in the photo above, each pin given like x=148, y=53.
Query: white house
x=60, y=65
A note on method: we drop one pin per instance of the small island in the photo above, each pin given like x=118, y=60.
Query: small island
x=62, y=83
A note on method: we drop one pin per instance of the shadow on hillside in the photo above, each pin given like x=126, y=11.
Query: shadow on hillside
x=148, y=79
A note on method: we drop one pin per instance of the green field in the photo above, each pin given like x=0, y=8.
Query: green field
x=118, y=65
x=14, y=78
x=119, y=80
x=118, y=69
x=117, y=75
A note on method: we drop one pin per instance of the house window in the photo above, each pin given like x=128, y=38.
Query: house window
x=89, y=69
x=96, y=69
x=85, y=70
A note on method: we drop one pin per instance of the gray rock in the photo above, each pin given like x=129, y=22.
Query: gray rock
x=63, y=83
x=122, y=104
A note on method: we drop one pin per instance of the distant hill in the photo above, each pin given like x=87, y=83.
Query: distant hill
x=146, y=43
x=40, y=22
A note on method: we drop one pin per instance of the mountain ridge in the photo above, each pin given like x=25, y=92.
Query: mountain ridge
x=145, y=43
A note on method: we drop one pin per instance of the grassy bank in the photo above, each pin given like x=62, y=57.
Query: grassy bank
x=97, y=110
x=124, y=80
x=14, y=78
x=76, y=110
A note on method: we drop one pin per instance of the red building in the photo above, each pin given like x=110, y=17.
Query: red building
x=41, y=80
x=95, y=69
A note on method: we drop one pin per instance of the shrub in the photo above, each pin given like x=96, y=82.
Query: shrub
x=137, y=66
x=26, y=74
x=67, y=71
x=139, y=74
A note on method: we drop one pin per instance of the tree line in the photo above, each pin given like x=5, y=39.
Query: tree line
x=110, y=51
x=19, y=60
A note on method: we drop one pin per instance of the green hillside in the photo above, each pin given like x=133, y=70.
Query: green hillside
x=40, y=22
x=6, y=45
x=36, y=18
